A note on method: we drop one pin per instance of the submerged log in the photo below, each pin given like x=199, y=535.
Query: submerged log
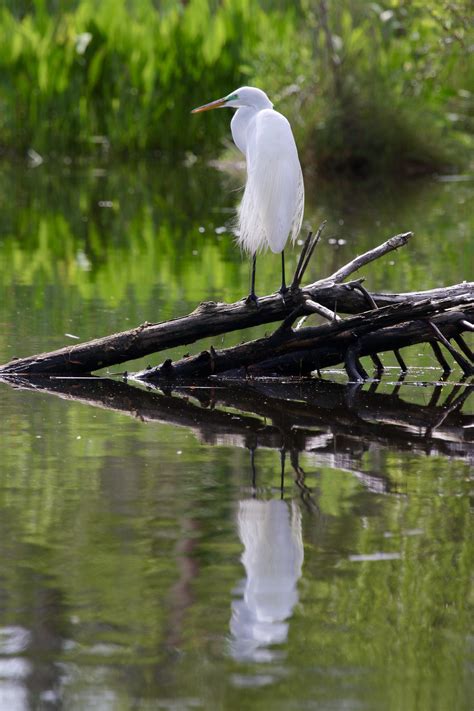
x=326, y=296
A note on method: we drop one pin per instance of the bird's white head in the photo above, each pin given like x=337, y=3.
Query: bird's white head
x=245, y=96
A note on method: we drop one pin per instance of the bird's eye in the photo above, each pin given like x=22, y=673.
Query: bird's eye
x=234, y=97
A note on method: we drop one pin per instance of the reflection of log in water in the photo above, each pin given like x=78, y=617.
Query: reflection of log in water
x=336, y=422
x=358, y=415
x=270, y=532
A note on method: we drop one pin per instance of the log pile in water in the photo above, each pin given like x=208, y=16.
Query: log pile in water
x=384, y=322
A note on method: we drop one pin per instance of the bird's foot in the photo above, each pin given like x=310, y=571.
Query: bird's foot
x=252, y=299
x=294, y=288
x=283, y=291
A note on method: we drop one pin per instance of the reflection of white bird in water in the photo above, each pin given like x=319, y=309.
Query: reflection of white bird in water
x=271, y=534
x=273, y=202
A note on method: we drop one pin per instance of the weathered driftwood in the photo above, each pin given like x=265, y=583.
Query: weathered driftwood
x=290, y=352
x=325, y=296
x=336, y=423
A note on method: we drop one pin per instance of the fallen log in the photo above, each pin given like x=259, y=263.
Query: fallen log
x=325, y=297
x=290, y=352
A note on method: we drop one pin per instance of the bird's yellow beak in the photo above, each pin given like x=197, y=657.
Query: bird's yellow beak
x=208, y=107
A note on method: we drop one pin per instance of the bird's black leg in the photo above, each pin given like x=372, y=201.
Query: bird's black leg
x=251, y=298
x=283, y=288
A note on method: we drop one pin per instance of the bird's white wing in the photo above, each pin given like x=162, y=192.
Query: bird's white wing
x=273, y=202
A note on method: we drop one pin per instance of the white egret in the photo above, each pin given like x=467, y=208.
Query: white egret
x=273, y=201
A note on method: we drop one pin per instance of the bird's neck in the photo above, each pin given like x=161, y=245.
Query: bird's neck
x=240, y=123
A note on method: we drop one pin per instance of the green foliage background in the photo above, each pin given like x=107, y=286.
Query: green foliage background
x=367, y=86
x=121, y=556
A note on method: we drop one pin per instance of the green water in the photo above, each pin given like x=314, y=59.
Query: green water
x=153, y=554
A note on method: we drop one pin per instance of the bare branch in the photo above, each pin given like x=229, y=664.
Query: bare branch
x=466, y=367
x=388, y=246
x=305, y=256
x=400, y=361
x=321, y=310
x=439, y=355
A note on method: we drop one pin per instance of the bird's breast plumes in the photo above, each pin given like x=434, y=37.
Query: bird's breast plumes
x=273, y=201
